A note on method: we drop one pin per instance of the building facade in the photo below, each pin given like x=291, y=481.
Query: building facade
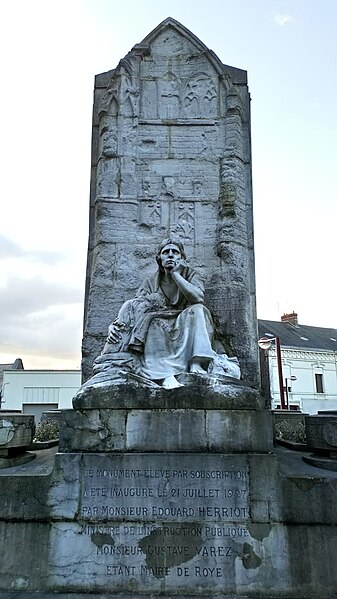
x=37, y=391
x=308, y=362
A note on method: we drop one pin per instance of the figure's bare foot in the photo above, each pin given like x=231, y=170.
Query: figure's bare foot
x=195, y=367
x=171, y=382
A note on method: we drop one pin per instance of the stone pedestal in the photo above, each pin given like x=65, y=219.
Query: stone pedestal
x=167, y=489
x=16, y=434
x=165, y=523
x=159, y=492
x=209, y=414
x=321, y=433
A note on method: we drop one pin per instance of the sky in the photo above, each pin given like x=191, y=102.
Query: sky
x=50, y=52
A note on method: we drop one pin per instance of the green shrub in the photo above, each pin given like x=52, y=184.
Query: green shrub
x=290, y=432
x=47, y=430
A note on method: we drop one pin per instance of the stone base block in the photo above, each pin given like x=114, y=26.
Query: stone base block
x=321, y=432
x=205, y=414
x=190, y=525
x=321, y=462
x=16, y=430
x=166, y=430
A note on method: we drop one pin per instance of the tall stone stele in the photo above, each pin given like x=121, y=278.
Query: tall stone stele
x=171, y=155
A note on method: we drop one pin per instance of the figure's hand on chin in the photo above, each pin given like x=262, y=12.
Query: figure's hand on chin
x=178, y=267
x=170, y=268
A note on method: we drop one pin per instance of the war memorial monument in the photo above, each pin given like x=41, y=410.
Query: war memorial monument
x=166, y=481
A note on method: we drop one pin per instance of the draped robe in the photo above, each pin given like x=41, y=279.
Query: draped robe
x=167, y=334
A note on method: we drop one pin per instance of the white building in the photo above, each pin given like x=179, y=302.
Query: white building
x=36, y=391
x=307, y=353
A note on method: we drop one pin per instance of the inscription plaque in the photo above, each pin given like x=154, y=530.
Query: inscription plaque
x=149, y=522
x=160, y=487
x=127, y=555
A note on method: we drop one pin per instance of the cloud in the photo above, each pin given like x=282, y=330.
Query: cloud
x=21, y=297
x=52, y=333
x=283, y=19
x=40, y=318
x=12, y=249
x=9, y=248
x=41, y=308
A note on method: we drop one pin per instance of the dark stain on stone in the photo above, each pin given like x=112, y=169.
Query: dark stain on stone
x=305, y=484
x=99, y=539
x=259, y=531
x=249, y=558
x=227, y=200
x=169, y=546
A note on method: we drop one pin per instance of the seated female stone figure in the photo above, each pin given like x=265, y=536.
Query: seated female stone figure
x=166, y=327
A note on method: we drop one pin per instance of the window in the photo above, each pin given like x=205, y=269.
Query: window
x=319, y=383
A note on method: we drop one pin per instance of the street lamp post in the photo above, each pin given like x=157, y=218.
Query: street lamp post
x=291, y=378
x=265, y=343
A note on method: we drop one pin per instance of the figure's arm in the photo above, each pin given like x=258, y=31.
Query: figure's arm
x=193, y=293
x=122, y=323
x=114, y=331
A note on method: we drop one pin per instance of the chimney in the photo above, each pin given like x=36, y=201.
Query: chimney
x=291, y=318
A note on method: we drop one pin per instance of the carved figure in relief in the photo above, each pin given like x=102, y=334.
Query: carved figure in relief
x=154, y=215
x=166, y=329
x=110, y=100
x=169, y=186
x=109, y=142
x=169, y=104
x=146, y=188
x=132, y=93
x=197, y=187
x=185, y=224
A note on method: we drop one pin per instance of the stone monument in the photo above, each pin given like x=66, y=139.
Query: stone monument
x=171, y=156
x=166, y=481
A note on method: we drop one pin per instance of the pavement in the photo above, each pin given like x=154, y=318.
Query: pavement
x=42, y=465
x=292, y=465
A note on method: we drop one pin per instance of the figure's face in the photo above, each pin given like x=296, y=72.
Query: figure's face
x=170, y=256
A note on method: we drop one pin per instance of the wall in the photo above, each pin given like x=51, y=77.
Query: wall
x=304, y=365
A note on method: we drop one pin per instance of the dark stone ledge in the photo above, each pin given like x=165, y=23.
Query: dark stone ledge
x=199, y=392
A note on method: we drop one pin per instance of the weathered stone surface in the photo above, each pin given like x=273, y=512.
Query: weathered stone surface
x=64, y=490
x=206, y=414
x=16, y=430
x=24, y=556
x=200, y=392
x=161, y=429
x=171, y=154
x=170, y=559
x=233, y=430
x=16, y=434
x=238, y=532
x=321, y=431
x=309, y=500
x=93, y=430
x=321, y=436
